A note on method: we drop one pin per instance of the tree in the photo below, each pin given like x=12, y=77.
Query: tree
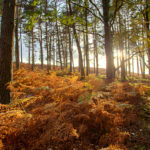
x=17, y=38
x=108, y=40
x=77, y=43
x=146, y=14
x=6, y=49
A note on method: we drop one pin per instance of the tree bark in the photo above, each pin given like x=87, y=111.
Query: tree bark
x=50, y=51
x=41, y=44
x=78, y=46
x=32, y=48
x=46, y=38
x=21, y=44
x=87, y=41
x=110, y=73
x=95, y=53
x=6, y=49
x=70, y=50
x=17, y=39
x=29, y=56
x=58, y=41
x=95, y=48
x=147, y=24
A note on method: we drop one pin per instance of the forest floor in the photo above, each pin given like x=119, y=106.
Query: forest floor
x=57, y=111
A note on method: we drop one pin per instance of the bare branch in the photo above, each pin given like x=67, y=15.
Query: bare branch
x=88, y=10
x=96, y=8
x=117, y=8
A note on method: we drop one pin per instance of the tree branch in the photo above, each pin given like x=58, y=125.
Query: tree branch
x=96, y=8
x=117, y=8
x=88, y=10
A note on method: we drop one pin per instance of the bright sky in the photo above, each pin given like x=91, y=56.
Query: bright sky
x=102, y=59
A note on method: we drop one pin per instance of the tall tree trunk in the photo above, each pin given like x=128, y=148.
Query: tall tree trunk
x=129, y=60
x=128, y=47
x=80, y=53
x=21, y=43
x=118, y=71
x=147, y=24
x=78, y=45
x=123, y=70
x=29, y=55
x=6, y=49
x=33, y=49
x=87, y=40
x=95, y=48
x=95, y=53
x=50, y=51
x=69, y=40
x=143, y=53
x=137, y=62
x=21, y=32
x=110, y=71
x=41, y=45
x=84, y=43
x=63, y=52
x=58, y=41
x=121, y=47
x=54, y=52
x=70, y=49
x=133, y=66
x=46, y=38
x=17, y=38
x=87, y=52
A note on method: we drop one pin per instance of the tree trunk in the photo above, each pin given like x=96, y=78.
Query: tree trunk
x=123, y=72
x=147, y=24
x=69, y=40
x=70, y=50
x=87, y=52
x=46, y=38
x=87, y=41
x=50, y=51
x=41, y=45
x=54, y=53
x=17, y=39
x=78, y=46
x=118, y=62
x=21, y=33
x=137, y=61
x=58, y=41
x=33, y=49
x=47, y=50
x=121, y=47
x=29, y=56
x=96, y=50
x=6, y=49
x=21, y=43
x=110, y=71
x=133, y=66
x=84, y=57
x=63, y=52
x=95, y=53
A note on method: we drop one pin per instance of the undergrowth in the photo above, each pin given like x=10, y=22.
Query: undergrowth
x=59, y=112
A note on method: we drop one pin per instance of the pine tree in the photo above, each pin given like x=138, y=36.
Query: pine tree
x=6, y=49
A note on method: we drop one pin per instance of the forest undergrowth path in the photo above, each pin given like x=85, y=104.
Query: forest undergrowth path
x=50, y=111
